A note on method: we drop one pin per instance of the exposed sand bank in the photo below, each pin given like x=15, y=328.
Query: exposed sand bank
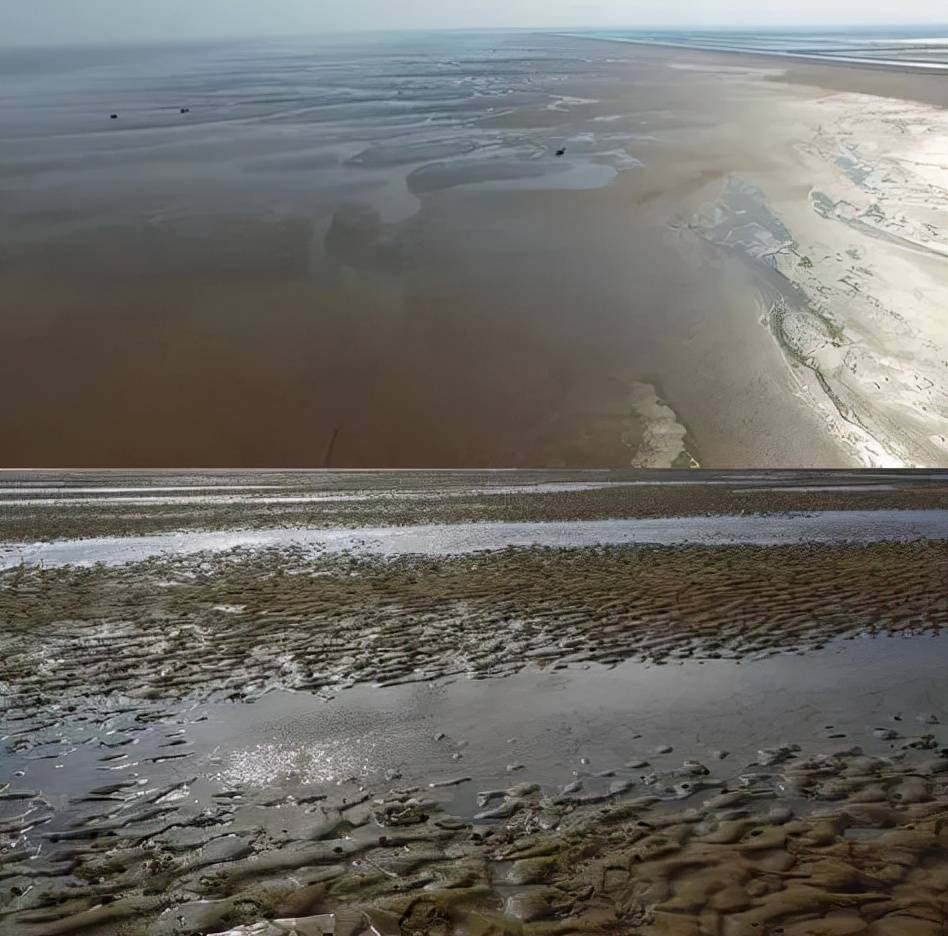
x=861, y=268
x=835, y=203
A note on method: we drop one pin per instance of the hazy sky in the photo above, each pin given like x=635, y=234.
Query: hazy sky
x=57, y=21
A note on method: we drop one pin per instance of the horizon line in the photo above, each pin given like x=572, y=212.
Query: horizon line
x=427, y=30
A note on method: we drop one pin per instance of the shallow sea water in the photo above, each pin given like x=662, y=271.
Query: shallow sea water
x=380, y=118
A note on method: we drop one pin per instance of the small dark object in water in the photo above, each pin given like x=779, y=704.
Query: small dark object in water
x=113, y=116
x=561, y=152
x=185, y=110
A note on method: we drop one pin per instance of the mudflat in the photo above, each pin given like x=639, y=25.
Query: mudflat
x=370, y=254
x=478, y=702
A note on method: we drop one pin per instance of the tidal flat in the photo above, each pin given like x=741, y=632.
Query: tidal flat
x=717, y=734
x=368, y=252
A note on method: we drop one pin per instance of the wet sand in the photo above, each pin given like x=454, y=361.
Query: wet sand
x=313, y=282
x=38, y=507
x=460, y=539
x=698, y=738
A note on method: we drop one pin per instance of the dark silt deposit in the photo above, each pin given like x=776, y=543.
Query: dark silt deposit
x=696, y=739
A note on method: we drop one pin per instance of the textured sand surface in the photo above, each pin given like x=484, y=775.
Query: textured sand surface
x=656, y=740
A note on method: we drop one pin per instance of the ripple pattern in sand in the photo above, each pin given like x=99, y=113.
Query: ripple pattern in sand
x=242, y=625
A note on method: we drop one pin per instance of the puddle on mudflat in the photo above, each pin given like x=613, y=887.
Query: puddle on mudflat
x=547, y=727
x=551, y=722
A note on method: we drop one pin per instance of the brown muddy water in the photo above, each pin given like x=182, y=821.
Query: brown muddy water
x=546, y=735
x=366, y=253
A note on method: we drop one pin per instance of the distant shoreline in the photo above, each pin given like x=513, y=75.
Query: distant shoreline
x=911, y=67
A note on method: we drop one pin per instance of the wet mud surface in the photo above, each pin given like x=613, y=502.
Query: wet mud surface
x=241, y=625
x=690, y=739
x=41, y=506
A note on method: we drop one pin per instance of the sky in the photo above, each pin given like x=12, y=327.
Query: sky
x=40, y=22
